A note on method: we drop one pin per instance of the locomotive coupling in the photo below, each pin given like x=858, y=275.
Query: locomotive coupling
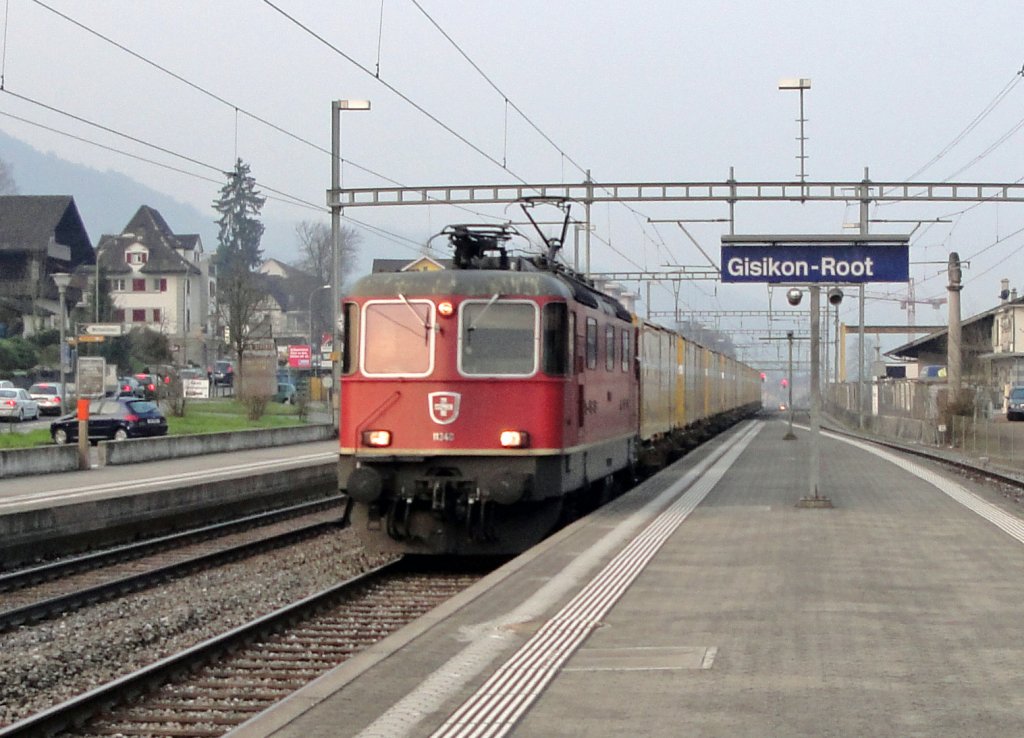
x=506, y=488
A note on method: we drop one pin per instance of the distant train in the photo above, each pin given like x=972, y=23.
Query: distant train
x=482, y=405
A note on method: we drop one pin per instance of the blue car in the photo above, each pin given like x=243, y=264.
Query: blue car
x=113, y=418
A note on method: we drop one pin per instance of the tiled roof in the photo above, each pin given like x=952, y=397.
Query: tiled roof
x=150, y=229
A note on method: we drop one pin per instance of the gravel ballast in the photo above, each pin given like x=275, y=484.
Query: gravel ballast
x=48, y=663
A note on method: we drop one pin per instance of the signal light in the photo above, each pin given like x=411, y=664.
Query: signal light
x=764, y=376
x=377, y=438
x=785, y=383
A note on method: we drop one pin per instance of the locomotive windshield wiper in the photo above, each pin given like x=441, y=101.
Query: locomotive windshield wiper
x=480, y=315
x=423, y=321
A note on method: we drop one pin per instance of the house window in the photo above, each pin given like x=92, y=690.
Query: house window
x=136, y=257
x=138, y=285
x=119, y=316
x=156, y=315
x=160, y=284
x=138, y=315
x=117, y=285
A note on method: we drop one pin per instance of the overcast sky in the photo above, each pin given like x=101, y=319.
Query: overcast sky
x=668, y=90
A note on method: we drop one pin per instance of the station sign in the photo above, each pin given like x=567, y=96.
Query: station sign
x=815, y=259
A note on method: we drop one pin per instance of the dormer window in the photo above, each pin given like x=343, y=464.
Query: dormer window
x=136, y=257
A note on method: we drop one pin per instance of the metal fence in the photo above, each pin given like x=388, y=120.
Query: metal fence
x=909, y=412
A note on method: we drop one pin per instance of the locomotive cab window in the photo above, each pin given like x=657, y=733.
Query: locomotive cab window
x=498, y=337
x=398, y=338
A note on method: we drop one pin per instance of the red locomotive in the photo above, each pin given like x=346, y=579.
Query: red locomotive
x=481, y=404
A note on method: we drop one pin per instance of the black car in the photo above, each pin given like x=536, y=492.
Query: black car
x=115, y=418
x=223, y=373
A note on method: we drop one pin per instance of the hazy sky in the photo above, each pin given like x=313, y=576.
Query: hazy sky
x=668, y=90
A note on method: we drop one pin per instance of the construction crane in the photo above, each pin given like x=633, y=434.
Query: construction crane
x=908, y=303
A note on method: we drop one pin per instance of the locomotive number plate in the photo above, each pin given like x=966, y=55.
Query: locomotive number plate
x=444, y=437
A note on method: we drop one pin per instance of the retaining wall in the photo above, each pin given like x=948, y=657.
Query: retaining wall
x=137, y=450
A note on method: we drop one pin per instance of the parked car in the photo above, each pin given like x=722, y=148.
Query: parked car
x=6, y=384
x=48, y=395
x=191, y=373
x=115, y=418
x=285, y=393
x=17, y=404
x=223, y=373
x=130, y=386
x=1015, y=404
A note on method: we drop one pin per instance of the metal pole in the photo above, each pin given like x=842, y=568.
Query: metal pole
x=586, y=206
x=62, y=349
x=815, y=465
x=861, y=391
x=790, y=435
x=335, y=252
x=836, y=379
x=815, y=498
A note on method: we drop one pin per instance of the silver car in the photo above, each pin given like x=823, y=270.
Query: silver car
x=48, y=395
x=17, y=404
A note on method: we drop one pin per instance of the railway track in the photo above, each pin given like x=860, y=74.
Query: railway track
x=207, y=690
x=59, y=587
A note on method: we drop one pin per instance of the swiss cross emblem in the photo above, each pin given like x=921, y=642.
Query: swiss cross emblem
x=444, y=406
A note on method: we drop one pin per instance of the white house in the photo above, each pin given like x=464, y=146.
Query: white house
x=162, y=281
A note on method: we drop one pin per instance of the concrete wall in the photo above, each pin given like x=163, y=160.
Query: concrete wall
x=137, y=450
x=20, y=462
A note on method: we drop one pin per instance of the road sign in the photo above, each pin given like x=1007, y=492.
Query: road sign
x=104, y=329
x=91, y=339
x=815, y=259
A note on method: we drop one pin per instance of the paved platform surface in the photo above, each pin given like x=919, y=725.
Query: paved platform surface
x=898, y=612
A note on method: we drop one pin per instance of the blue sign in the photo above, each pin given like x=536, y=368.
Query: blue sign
x=815, y=263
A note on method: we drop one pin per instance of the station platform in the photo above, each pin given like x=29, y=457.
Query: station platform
x=706, y=602
x=47, y=514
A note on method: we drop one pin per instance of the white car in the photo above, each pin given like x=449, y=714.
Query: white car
x=17, y=404
x=48, y=395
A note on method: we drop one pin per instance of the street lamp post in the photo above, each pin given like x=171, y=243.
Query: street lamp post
x=311, y=295
x=62, y=280
x=334, y=200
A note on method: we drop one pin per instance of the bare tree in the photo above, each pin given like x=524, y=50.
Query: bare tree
x=7, y=183
x=240, y=293
x=315, y=249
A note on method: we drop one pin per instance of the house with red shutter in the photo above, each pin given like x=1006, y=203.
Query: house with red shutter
x=162, y=281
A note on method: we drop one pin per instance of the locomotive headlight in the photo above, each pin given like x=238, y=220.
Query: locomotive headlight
x=377, y=438
x=445, y=309
x=515, y=439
